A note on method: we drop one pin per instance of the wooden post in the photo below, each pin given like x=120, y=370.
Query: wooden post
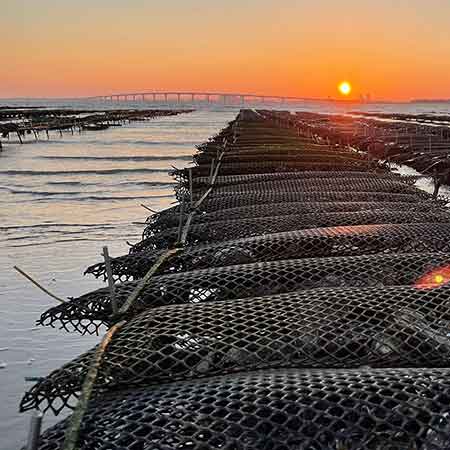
x=149, y=209
x=112, y=289
x=35, y=431
x=191, y=187
x=28, y=277
x=180, y=224
x=211, y=172
x=437, y=184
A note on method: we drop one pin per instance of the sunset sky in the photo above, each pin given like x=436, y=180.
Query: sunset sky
x=394, y=50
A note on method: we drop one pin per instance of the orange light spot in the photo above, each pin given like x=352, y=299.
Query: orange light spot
x=439, y=279
x=434, y=279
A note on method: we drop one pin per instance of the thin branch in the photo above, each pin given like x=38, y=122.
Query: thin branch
x=149, y=209
x=28, y=277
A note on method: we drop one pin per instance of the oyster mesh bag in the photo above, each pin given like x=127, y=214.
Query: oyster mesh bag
x=304, y=305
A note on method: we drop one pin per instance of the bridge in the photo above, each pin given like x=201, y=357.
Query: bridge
x=204, y=97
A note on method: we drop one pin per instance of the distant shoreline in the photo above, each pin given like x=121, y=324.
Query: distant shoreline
x=430, y=101
x=318, y=100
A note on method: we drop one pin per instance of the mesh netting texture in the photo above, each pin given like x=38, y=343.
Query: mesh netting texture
x=307, y=306
x=318, y=184
x=225, y=202
x=221, y=206
x=227, y=230
x=239, y=179
x=249, y=280
x=278, y=409
x=311, y=156
x=380, y=327
x=275, y=166
x=171, y=218
x=320, y=242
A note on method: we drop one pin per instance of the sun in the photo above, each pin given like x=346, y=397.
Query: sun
x=345, y=88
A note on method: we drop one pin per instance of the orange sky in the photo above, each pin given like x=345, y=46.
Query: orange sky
x=391, y=49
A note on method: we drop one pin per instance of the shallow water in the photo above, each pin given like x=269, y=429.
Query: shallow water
x=60, y=201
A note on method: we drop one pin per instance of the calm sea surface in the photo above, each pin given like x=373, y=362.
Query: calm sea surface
x=60, y=201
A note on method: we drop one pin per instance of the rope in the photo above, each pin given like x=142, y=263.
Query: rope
x=135, y=294
x=73, y=430
x=200, y=201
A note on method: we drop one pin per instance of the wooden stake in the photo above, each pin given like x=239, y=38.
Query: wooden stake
x=28, y=277
x=180, y=223
x=112, y=289
x=149, y=209
x=35, y=431
x=211, y=172
x=190, y=187
x=437, y=184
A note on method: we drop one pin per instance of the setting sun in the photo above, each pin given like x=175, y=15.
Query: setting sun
x=345, y=88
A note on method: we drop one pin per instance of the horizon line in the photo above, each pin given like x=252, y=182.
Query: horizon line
x=186, y=92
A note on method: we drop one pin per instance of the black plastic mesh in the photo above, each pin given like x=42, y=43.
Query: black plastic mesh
x=259, y=177
x=317, y=184
x=226, y=202
x=255, y=200
x=275, y=166
x=169, y=219
x=305, y=255
x=298, y=156
x=320, y=328
x=250, y=280
x=226, y=230
x=321, y=242
x=275, y=410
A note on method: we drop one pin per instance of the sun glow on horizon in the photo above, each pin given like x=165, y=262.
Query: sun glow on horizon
x=345, y=88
